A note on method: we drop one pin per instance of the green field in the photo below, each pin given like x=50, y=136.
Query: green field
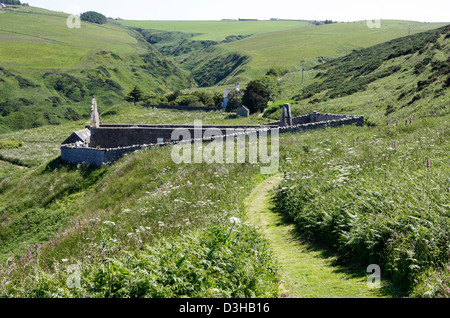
x=39, y=39
x=289, y=48
x=216, y=30
x=49, y=72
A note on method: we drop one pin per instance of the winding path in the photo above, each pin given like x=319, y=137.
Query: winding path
x=306, y=271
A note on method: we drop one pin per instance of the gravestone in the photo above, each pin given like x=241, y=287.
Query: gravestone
x=242, y=112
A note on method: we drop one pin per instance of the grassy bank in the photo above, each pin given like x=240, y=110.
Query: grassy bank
x=377, y=196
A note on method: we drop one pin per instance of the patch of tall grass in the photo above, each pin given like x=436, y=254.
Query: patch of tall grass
x=376, y=197
x=144, y=227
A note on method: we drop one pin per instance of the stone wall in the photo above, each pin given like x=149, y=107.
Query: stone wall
x=80, y=155
x=113, y=136
x=110, y=142
x=185, y=108
x=338, y=121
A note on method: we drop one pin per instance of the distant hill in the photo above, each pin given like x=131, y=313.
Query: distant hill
x=397, y=79
x=201, y=47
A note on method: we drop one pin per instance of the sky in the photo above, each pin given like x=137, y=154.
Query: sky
x=344, y=10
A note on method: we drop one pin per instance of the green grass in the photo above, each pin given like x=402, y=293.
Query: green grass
x=216, y=30
x=290, y=47
x=284, y=43
x=49, y=72
x=382, y=82
x=367, y=193
x=37, y=39
x=306, y=271
x=145, y=227
x=150, y=199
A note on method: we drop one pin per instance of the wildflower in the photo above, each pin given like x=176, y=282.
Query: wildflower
x=428, y=163
x=395, y=145
x=109, y=222
x=234, y=220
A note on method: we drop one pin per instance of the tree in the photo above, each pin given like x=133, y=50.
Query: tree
x=134, y=96
x=93, y=17
x=12, y=2
x=234, y=100
x=259, y=92
x=188, y=100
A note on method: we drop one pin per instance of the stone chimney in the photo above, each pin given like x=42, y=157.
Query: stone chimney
x=95, y=121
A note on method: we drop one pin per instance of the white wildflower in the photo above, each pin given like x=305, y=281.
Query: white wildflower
x=234, y=220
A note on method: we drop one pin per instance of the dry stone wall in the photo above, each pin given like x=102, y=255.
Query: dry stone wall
x=111, y=142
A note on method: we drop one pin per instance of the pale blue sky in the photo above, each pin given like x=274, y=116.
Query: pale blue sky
x=345, y=10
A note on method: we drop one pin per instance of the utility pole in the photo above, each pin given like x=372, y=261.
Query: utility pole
x=303, y=69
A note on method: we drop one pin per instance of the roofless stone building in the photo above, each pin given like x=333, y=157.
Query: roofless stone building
x=102, y=143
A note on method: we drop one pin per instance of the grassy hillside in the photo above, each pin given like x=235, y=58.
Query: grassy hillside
x=314, y=44
x=138, y=220
x=195, y=44
x=49, y=72
x=380, y=195
x=390, y=81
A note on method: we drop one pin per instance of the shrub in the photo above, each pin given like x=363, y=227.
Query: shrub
x=10, y=144
x=93, y=17
x=259, y=92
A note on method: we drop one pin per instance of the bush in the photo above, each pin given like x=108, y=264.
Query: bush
x=10, y=144
x=277, y=71
x=259, y=92
x=13, y=2
x=93, y=17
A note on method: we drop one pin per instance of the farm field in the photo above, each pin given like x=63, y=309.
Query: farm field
x=39, y=39
x=216, y=30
